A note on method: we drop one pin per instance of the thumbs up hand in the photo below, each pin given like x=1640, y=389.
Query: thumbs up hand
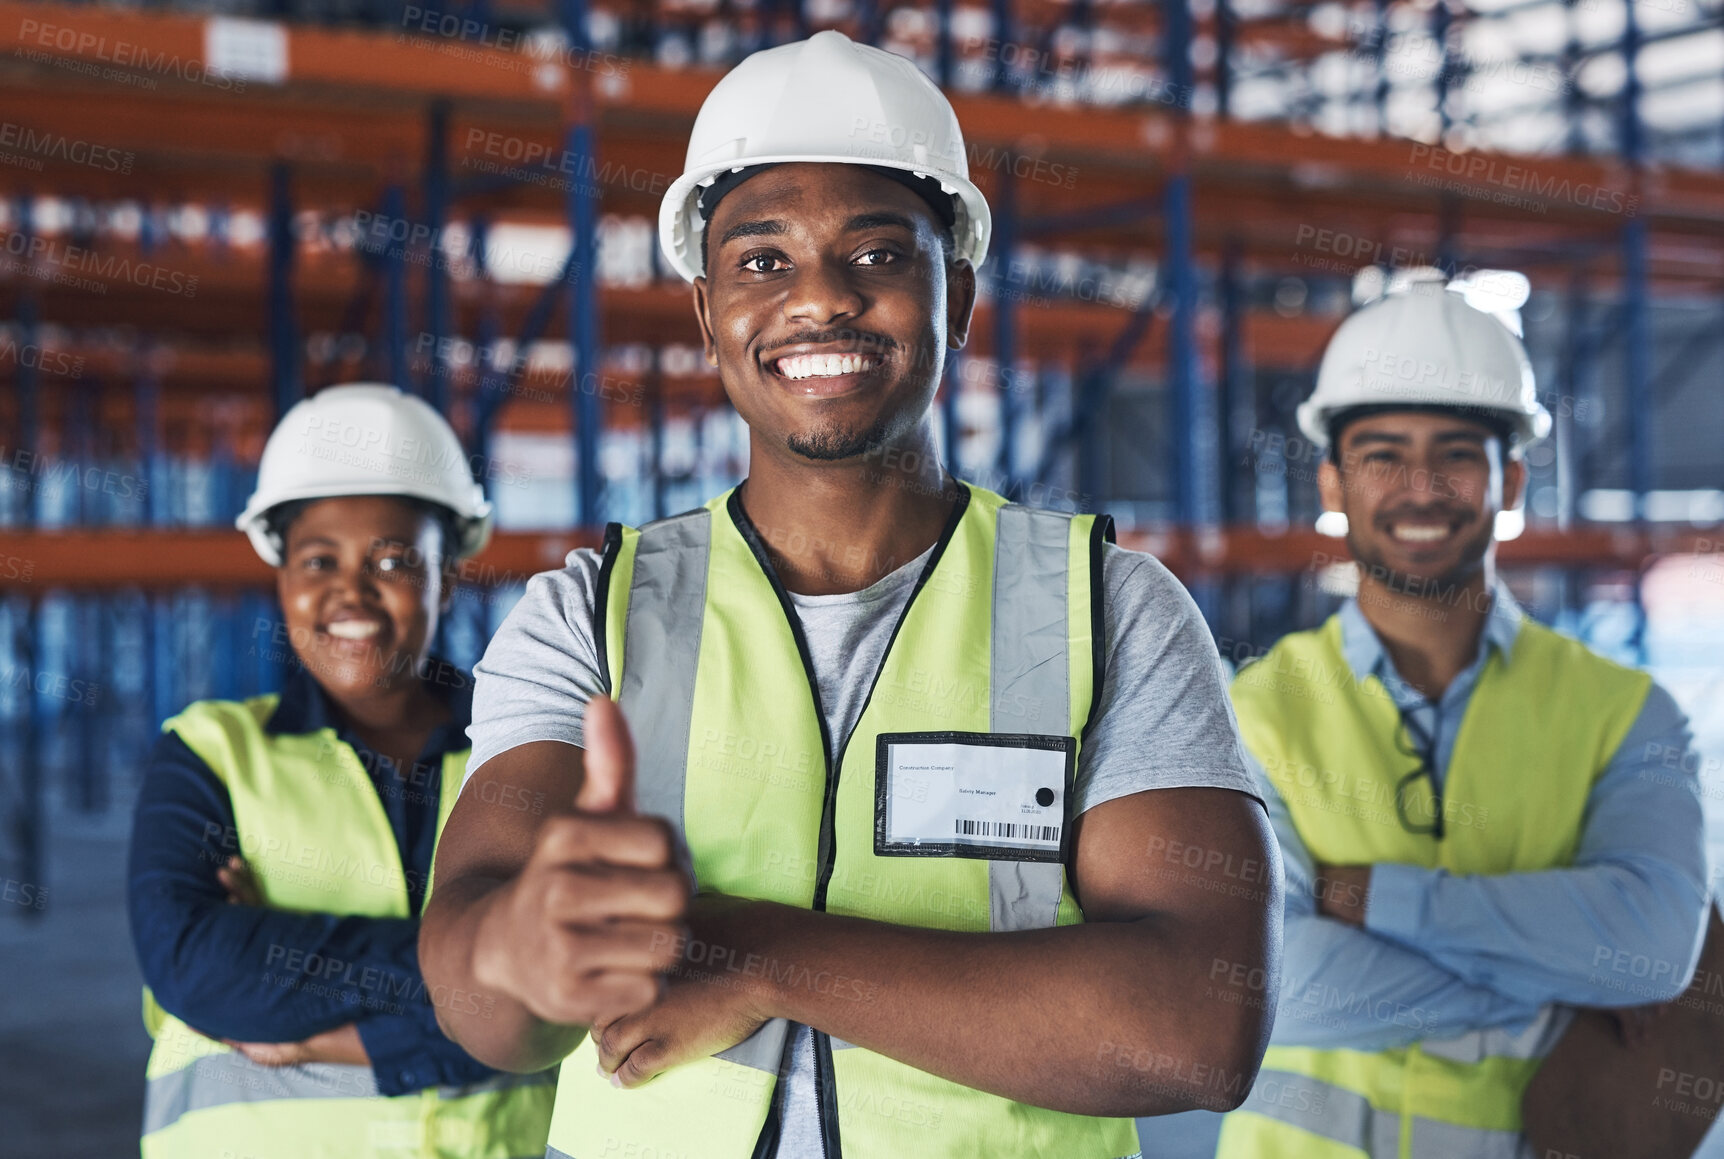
x=608, y=785
x=588, y=928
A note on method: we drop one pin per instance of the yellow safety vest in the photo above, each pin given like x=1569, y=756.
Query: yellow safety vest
x=315, y=835
x=998, y=638
x=1539, y=729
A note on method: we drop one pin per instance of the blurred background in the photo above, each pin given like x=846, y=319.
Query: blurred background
x=209, y=209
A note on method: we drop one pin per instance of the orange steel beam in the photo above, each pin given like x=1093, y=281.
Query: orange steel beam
x=1288, y=35
x=339, y=150
x=1276, y=209
x=111, y=559
x=200, y=292
x=1299, y=233
x=1600, y=187
x=384, y=68
x=1284, y=214
x=223, y=559
x=339, y=157
x=239, y=400
x=1190, y=551
x=352, y=113
x=172, y=45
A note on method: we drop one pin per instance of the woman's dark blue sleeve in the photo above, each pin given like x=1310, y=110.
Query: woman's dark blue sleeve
x=263, y=975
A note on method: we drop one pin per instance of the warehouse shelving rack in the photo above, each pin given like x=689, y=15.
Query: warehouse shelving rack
x=332, y=124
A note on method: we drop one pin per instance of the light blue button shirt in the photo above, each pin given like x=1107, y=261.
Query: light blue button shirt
x=1443, y=954
x=1442, y=721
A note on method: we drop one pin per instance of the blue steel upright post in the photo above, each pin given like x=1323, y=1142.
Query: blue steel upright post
x=949, y=429
x=655, y=430
x=1380, y=90
x=1226, y=29
x=1579, y=346
x=436, y=379
x=1192, y=429
x=582, y=206
x=1004, y=242
x=1448, y=208
x=29, y=413
x=1636, y=322
x=28, y=820
x=1000, y=79
x=943, y=43
x=1573, y=96
x=77, y=444
x=395, y=291
x=285, y=386
x=1236, y=396
x=1441, y=19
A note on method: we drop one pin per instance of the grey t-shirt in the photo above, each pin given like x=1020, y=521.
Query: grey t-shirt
x=1164, y=720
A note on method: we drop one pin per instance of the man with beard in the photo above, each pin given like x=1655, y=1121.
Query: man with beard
x=961, y=796
x=1482, y=822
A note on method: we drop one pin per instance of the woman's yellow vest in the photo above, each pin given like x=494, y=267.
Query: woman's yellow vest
x=705, y=657
x=1541, y=726
x=313, y=831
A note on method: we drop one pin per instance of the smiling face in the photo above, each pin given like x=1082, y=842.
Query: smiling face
x=1421, y=492
x=361, y=592
x=828, y=306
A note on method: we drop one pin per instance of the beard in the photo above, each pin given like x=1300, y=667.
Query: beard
x=1426, y=586
x=832, y=443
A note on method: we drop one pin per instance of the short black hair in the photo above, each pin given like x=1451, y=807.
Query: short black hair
x=280, y=517
x=1495, y=420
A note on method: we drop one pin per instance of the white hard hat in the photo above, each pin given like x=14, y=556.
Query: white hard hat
x=364, y=438
x=1423, y=344
x=824, y=99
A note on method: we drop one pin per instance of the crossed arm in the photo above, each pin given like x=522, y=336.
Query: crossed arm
x=1154, y=1005
x=1382, y=955
x=279, y=985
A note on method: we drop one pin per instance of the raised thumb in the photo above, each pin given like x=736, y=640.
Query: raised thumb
x=608, y=785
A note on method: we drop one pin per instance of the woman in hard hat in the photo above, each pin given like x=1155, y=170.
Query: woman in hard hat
x=282, y=847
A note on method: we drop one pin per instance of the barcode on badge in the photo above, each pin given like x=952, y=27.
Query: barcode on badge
x=1009, y=830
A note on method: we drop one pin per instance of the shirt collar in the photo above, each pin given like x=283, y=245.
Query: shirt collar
x=305, y=707
x=1365, y=653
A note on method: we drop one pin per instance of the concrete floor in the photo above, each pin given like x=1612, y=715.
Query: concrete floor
x=71, y=1085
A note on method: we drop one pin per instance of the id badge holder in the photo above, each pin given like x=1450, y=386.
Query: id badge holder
x=981, y=795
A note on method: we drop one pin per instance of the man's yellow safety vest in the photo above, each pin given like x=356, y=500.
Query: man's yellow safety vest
x=999, y=641
x=1540, y=727
x=313, y=831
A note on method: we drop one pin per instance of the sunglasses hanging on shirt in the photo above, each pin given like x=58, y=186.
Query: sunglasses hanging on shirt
x=1422, y=746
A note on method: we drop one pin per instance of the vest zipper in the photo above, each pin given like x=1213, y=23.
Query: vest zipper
x=825, y=1082
x=766, y=1145
x=826, y=1095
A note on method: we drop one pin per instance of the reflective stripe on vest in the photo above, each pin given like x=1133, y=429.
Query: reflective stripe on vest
x=218, y=1079
x=1345, y=1118
x=312, y=828
x=705, y=657
x=1555, y=714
